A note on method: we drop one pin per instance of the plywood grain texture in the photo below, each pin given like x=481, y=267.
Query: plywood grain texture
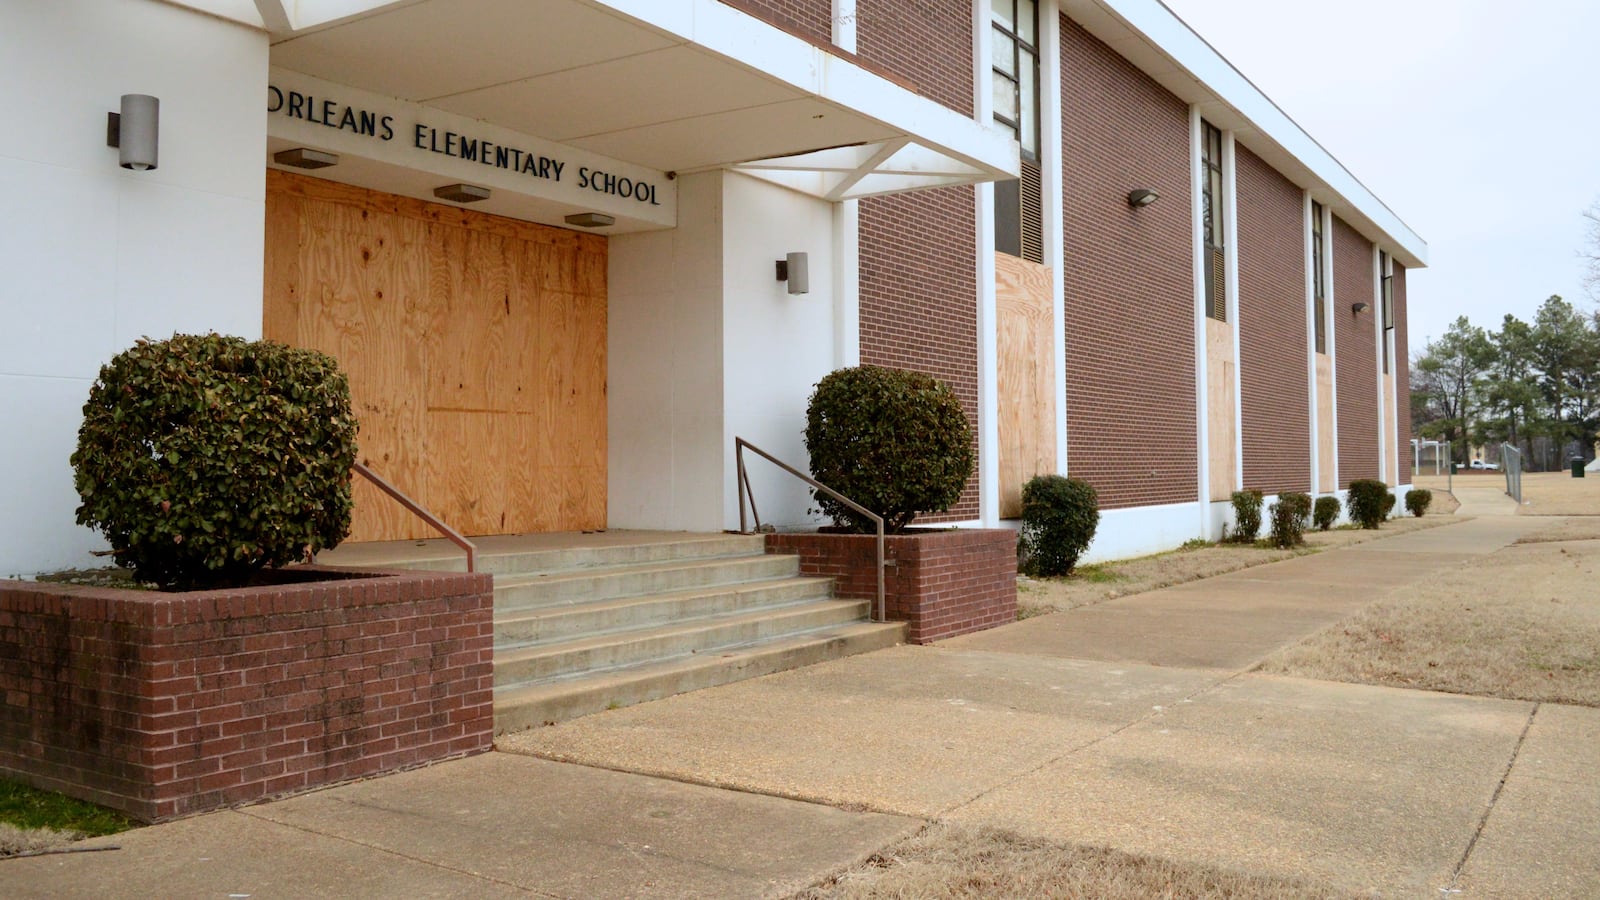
x=1026, y=378
x=1221, y=358
x=1327, y=477
x=1391, y=449
x=475, y=347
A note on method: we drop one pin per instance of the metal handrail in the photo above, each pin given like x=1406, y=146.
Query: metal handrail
x=438, y=524
x=745, y=491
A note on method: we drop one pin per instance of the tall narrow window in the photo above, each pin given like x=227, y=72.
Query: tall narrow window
x=1014, y=82
x=1319, y=281
x=1386, y=269
x=1216, y=268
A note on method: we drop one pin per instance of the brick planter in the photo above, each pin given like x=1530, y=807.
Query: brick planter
x=168, y=704
x=941, y=583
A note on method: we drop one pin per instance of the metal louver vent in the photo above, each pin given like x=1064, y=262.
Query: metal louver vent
x=1216, y=284
x=1032, y=203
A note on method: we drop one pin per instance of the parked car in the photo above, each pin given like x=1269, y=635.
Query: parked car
x=1480, y=464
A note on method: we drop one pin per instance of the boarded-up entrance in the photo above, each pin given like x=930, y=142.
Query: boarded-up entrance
x=475, y=346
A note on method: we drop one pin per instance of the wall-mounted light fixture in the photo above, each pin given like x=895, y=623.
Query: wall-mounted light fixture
x=1360, y=307
x=796, y=270
x=305, y=158
x=135, y=131
x=591, y=220
x=1142, y=197
x=461, y=193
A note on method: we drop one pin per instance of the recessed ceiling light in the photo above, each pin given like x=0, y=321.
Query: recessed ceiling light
x=462, y=193
x=305, y=158
x=590, y=220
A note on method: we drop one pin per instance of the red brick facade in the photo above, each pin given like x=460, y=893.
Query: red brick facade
x=1355, y=354
x=940, y=583
x=163, y=705
x=926, y=42
x=810, y=19
x=1273, y=379
x=1129, y=280
x=1402, y=377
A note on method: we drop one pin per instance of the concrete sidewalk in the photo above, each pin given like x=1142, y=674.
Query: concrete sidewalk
x=1135, y=724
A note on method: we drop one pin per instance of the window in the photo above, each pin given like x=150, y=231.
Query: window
x=1319, y=281
x=1216, y=269
x=1014, y=81
x=1386, y=269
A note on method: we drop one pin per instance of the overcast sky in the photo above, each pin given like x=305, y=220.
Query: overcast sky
x=1476, y=121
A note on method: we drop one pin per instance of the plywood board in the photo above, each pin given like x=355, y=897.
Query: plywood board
x=1223, y=426
x=475, y=348
x=1327, y=478
x=1025, y=337
x=1391, y=447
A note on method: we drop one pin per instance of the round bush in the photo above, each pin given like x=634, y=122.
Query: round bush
x=1324, y=512
x=1059, y=517
x=1366, y=502
x=894, y=441
x=1246, y=517
x=1418, y=500
x=204, y=458
x=1289, y=516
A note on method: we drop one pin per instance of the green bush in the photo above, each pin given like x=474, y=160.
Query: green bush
x=1388, y=504
x=1418, y=500
x=1289, y=517
x=894, y=441
x=1246, y=517
x=1059, y=518
x=204, y=458
x=1325, y=512
x=1366, y=502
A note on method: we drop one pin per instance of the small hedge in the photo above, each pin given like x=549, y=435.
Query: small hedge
x=1325, y=512
x=1289, y=517
x=204, y=458
x=1246, y=517
x=1388, y=505
x=1059, y=518
x=1418, y=500
x=1366, y=502
x=894, y=441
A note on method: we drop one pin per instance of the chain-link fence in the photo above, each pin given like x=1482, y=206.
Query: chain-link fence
x=1511, y=459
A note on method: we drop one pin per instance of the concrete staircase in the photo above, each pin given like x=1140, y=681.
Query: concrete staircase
x=582, y=629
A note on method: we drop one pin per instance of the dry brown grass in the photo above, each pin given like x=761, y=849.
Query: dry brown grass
x=14, y=840
x=947, y=861
x=1523, y=624
x=1577, y=528
x=1107, y=581
x=1559, y=494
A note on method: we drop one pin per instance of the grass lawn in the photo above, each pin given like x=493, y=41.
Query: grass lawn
x=33, y=820
x=1522, y=623
x=1559, y=494
x=1105, y=581
x=947, y=861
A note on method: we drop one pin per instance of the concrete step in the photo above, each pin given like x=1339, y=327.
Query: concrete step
x=611, y=651
x=566, y=622
x=708, y=546
x=521, y=592
x=525, y=706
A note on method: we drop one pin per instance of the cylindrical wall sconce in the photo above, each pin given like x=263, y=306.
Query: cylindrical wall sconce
x=135, y=131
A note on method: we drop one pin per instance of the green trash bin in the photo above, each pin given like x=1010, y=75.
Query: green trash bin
x=1577, y=467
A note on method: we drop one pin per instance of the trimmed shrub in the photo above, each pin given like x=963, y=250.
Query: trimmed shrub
x=1289, y=517
x=1366, y=502
x=894, y=441
x=204, y=458
x=1418, y=500
x=1059, y=518
x=1325, y=512
x=1246, y=517
x=1388, y=505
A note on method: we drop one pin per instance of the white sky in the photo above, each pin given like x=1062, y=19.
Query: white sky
x=1476, y=121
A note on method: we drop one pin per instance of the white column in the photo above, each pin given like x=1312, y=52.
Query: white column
x=1053, y=179
x=1328, y=323
x=844, y=25
x=1230, y=238
x=988, y=350
x=1311, y=342
x=1377, y=368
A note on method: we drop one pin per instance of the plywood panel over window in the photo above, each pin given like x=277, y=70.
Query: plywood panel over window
x=1025, y=335
x=475, y=347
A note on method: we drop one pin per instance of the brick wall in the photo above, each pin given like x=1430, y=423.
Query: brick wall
x=1355, y=352
x=810, y=19
x=164, y=705
x=1129, y=279
x=919, y=307
x=1273, y=379
x=1402, y=376
x=926, y=42
x=940, y=583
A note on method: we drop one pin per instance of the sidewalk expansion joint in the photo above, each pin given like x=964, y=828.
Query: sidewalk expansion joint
x=1483, y=821
x=406, y=856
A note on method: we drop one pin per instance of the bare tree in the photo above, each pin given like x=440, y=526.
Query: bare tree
x=1591, y=252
